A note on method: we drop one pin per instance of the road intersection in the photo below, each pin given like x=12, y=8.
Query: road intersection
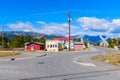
x=59, y=66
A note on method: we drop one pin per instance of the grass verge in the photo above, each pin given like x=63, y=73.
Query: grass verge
x=110, y=58
x=9, y=53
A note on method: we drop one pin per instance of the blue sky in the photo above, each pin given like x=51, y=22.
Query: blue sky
x=93, y=17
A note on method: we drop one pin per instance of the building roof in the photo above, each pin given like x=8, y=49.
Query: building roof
x=63, y=38
x=33, y=43
x=78, y=43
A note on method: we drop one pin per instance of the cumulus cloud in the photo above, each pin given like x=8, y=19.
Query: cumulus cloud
x=21, y=26
x=47, y=28
x=94, y=24
x=57, y=28
x=100, y=25
x=115, y=26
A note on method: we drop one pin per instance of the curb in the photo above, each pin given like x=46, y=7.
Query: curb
x=84, y=62
x=30, y=57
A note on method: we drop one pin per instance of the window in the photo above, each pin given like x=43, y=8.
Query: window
x=55, y=45
x=50, y=46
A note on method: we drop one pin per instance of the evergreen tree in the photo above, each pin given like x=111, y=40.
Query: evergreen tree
x=78, y=40
x=5, y=41
x=112, y=42
x=19, y=41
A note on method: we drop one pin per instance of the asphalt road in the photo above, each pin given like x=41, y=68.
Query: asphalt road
x=58, y=66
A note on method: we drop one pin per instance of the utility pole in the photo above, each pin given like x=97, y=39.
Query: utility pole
x=69, y=29
x=3, y=38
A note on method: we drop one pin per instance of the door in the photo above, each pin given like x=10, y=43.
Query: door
x=32, y=46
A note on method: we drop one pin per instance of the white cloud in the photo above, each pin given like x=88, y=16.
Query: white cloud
x=57, y=29
x=20, y=26
x=47, y=28
x=115, y=26
x=100, y=26
x=94, y=24
x=88, y=26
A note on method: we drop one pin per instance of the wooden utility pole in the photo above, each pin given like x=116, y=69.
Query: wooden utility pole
x=3, y=38
x=69, y=29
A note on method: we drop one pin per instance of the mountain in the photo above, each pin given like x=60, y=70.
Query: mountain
x=12, y=34
x=93, y=39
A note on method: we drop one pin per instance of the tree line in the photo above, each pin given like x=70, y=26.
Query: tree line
x=112, y=42
x=18, y=41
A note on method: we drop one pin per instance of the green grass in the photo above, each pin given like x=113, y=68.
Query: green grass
x=108, y=58
x=9, y=53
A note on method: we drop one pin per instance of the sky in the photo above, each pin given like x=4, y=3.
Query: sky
x=88, y=17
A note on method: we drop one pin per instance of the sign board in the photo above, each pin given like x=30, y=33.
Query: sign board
x=104, y=41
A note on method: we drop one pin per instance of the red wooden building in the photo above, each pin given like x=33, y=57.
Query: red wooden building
x=34, y=46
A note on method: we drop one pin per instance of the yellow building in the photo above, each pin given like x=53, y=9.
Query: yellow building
x=52, y=45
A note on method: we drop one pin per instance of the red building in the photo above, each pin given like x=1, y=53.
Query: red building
x=34, y=46
x=78, y=46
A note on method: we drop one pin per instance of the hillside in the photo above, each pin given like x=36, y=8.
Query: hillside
x=11, y=34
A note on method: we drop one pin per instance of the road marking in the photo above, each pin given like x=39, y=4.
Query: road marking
x=88, y=64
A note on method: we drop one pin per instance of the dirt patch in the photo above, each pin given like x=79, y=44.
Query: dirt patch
x=9, y=53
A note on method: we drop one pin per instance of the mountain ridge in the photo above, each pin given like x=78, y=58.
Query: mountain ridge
x=12, y=34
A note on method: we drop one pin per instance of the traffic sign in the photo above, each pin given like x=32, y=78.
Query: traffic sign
x=104, y=41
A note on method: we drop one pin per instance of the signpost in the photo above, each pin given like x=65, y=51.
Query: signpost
x=104, y=43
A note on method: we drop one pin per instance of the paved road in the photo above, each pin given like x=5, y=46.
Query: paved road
x=57, y=66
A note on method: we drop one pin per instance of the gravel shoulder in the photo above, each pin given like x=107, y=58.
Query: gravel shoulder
x=24, y=55
x=99, y=65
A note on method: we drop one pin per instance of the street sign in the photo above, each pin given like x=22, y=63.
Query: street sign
x=104, y=41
